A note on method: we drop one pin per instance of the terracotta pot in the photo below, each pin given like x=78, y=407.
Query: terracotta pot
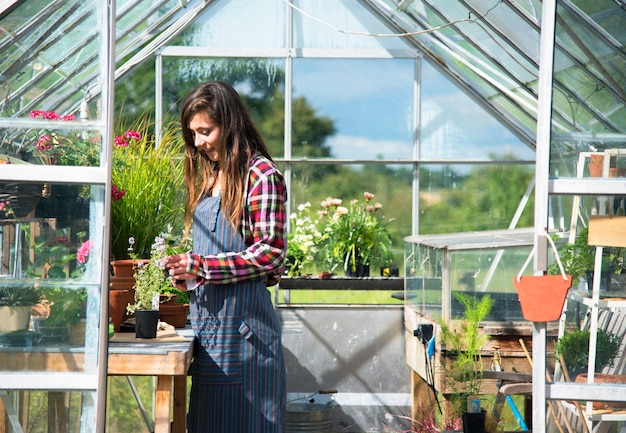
x=174, y=314
x=596, y=163
x=118, y=300
x=124, y=268
x=605, y=378
x=542, y=296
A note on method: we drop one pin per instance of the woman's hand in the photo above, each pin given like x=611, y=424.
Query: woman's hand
x=176, y=267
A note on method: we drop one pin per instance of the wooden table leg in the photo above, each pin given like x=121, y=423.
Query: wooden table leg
x=3, y=418
x=180, y=405
x=162, y=415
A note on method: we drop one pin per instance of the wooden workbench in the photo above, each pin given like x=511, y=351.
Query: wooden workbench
x=167, y=357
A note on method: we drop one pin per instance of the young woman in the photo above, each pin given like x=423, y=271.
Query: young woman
x=236, y=207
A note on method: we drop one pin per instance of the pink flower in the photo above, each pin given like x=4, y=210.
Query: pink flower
x=36, y=114
x=44, y=142
x=3, y=205
x=68, y=117
x=120, y=141
x=134, y=135
x=117, y=193
x=83, y=252
x=368, y=196
x=50, y=115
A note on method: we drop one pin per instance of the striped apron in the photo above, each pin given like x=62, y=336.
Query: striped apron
x=238, y=371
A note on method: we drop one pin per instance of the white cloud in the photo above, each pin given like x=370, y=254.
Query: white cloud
x=351, y=147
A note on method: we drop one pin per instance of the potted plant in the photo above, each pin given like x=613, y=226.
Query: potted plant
x=462, y=365
x=147, y=188
x=68, y=308
x=353, y=237
x=574, y=347
x=302, y=240
x=578, y=259
x=15, y=305
x=150, y=282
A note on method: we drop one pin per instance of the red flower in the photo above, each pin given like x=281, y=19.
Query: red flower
x=120, y=141
x=135, y=135
x=116, y=193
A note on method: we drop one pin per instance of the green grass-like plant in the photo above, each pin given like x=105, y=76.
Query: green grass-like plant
x=151, y=179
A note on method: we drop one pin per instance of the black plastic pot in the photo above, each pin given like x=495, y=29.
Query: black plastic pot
x=146, y=322
x=474, y=422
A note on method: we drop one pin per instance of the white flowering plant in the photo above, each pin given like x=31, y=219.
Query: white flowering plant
x=150, y=278
x=356, y=234
x=302, y=240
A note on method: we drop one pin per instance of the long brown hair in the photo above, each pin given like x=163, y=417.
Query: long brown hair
x=240, y=139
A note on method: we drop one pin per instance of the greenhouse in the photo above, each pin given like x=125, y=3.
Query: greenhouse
x=479, y=142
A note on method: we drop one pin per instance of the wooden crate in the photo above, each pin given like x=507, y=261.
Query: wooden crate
x=605, y=231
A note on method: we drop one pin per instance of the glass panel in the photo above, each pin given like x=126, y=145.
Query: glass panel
x=462, y=198
x=339, y=24
x=389, y=184
x=589, y=106
x=364, y=106
x=260, y=82
x=50, y=291
x=423, y=281
x=454, y=127
x=58, y=139
x=50, y=56
x=238, y=24
x=64, y=410
x=434, y=274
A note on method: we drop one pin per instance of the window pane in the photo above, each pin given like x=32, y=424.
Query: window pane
x=462, y=198
x=260, y=82
x=454, y=127
x=368, y=102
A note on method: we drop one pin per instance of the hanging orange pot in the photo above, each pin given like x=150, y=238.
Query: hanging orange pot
x=542, y=297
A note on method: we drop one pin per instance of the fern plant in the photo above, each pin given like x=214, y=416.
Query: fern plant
x=463, y=343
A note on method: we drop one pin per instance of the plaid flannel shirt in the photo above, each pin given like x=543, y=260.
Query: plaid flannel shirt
x=263, y=229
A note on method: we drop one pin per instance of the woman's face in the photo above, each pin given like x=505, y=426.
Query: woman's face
x=207, y=136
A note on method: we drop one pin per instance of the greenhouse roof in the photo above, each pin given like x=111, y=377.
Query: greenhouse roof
x=489, y=49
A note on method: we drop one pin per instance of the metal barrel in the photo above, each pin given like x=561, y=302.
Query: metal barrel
x=308, y=418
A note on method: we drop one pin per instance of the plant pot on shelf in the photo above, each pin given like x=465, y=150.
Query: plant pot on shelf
x=124, y=268
x=604, y=378
x=360, y=270
x=596, y=163
x=174, y=314
x=14, y=318
x=146, y=322
x=118, y=300
x=605, y=280
x=76, y=332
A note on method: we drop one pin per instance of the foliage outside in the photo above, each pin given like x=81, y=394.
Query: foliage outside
x=147, y=187
x=463, y=345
